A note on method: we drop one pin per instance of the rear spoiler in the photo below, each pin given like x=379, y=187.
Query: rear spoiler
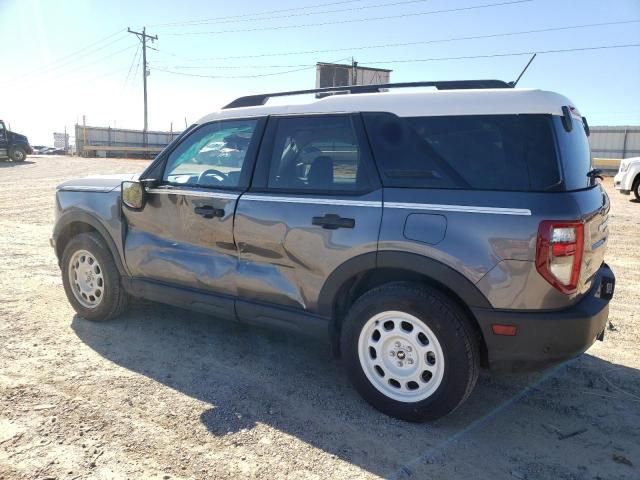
x=567, y=119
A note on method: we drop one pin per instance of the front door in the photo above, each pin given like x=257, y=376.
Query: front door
x=184, y=235
x=315, y=203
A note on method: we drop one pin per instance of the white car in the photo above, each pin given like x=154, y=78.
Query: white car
x=627, y=179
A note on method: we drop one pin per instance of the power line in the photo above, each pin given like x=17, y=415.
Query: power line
x=233, y=67
x=322, y=12
x=433, y=59
x=31, y=80
x=304, y=67
x=88, y=82
x=135, y=72
x=495, y=55
x=98, y=60
x=76, y=52
x=67, y=60
x=357, y=20
x=386, y=45
x=318, y=5
x=133, y=62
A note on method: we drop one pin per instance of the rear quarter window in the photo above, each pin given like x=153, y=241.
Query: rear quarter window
x=475, y=152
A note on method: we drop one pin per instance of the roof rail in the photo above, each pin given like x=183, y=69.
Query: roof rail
x=261, y=99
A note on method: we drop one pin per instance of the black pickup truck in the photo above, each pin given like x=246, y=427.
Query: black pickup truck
x=13, y=145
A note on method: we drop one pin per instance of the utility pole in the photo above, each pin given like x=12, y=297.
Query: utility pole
x=143, y=37
x=84, y=135
x=354, y=72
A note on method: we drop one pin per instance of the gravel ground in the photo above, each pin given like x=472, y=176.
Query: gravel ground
x=166, y=393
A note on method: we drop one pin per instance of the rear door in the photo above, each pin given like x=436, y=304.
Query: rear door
x=184, y=234
x=315, y=202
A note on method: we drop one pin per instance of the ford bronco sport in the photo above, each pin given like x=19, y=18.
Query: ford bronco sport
x=425, y=233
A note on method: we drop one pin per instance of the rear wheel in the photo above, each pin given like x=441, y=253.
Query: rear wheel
x=410, y=351
x=91, y=279
x=18, y=154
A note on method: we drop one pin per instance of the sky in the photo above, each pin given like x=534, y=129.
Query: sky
x=65, y=60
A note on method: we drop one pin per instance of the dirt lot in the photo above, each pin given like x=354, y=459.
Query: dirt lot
x=165, y=393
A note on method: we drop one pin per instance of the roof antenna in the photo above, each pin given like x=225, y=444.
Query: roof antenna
x=513, y=84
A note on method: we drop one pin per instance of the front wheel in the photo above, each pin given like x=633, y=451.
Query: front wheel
x=18, y=154
x=636, y=187
x=410, y=351
x=91, y=279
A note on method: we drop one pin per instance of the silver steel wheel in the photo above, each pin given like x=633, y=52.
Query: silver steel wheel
x=18, y=155
x=85, y=278
x=401, y=356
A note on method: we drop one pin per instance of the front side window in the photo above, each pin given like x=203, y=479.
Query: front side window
x=316, y=153
x=212, y=156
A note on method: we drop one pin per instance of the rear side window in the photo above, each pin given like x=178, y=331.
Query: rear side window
x=575, y=154
x=316, y=153
x=475, y=152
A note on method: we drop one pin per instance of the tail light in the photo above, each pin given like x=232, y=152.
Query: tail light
x=559, y=253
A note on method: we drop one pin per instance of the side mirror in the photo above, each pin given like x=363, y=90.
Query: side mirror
x=133, y=195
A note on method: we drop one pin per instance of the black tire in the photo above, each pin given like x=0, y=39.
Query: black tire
x=18, y=154
x=449, y=323
x=114, y=299
x=636, y=187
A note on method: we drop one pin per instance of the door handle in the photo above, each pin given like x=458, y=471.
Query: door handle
x=207, y=211
x=331, y=221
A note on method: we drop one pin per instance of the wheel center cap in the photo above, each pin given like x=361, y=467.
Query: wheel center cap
x=401, y=355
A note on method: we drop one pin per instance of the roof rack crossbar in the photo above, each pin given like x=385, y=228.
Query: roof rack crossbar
x=261, y=99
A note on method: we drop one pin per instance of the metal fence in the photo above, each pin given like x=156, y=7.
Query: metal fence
x=109, y=142
x=615, y=142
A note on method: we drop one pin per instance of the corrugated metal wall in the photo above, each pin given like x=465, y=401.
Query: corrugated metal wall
x=119, y=137
x=615, y=142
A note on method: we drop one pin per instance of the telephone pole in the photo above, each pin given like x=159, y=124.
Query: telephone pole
x=145, y=72
x=354, y=72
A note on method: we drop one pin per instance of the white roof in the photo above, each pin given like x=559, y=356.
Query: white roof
x=411, y=104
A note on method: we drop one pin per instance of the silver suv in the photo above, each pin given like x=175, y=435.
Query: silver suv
x=425, y=234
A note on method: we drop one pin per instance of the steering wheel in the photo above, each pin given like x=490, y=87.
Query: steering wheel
x=220, y=176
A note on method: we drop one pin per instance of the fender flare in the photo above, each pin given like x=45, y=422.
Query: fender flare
x=79, y=216
x=438, y=271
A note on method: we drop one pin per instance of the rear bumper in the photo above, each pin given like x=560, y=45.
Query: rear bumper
x=550, y=337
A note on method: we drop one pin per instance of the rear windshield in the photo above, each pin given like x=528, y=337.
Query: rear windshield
x=477, y=152
x=575, y=154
